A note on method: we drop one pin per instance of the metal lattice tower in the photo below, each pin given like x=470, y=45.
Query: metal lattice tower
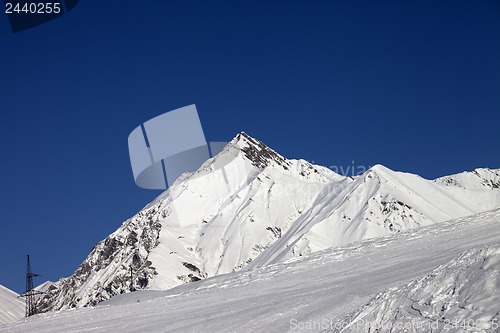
x=30, y=293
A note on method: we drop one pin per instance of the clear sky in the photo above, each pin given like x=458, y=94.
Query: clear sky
x=413, y=85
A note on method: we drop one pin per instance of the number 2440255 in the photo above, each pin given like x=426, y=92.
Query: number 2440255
x=33, y=8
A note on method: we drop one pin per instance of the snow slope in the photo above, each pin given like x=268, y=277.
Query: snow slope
x=440, y=265
x=11, y=307
x=460, y=296
x=249, y=207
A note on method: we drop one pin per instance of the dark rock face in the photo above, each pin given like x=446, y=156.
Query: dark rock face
x=116, y=265
x=260, y=154
x=493, y=183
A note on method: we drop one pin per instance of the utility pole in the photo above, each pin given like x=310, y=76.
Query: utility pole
x=131, y=280
x=30, y=293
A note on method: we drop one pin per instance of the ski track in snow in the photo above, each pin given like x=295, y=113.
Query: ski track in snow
x=284, y=297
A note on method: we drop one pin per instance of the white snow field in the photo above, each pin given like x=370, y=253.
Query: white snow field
x=11, y=307
x=446, y=272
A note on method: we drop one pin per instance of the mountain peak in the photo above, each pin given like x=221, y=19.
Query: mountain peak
x=258, y=152
x=380, y=168
x=378, y=171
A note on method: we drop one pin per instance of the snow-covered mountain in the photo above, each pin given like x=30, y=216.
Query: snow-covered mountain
x=249, y=207
x=11, y=307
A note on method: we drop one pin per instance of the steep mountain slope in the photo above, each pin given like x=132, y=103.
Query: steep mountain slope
x=11, y=307
x=316, y=293
x=249, y=207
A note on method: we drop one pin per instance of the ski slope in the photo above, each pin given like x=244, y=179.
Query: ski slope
x=461, y=296
x=319, y=291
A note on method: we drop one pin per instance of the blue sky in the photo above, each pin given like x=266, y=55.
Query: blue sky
x=413, y=85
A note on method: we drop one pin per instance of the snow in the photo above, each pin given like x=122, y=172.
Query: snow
x=249, y=207
x=478, y=179
x=462, y=296
x=450, y=268
x=377, y=203
x=11, y=307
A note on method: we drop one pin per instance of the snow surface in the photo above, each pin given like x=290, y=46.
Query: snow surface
x=249, y=207
x=450, y=269
x=460, y=296
x=11, y=307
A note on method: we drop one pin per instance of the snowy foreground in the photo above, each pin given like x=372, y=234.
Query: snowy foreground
x=442, y=278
